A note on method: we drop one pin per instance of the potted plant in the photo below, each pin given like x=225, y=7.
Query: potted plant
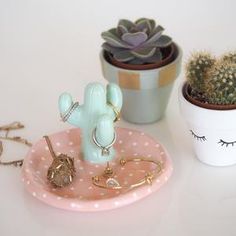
x=208, y=103
x=144, y=63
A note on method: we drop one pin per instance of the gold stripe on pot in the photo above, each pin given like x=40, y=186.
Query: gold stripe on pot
x=103, y=68
x=129, y=80
x=167, y=75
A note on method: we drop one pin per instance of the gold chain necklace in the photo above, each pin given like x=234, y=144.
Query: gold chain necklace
x=6, y=129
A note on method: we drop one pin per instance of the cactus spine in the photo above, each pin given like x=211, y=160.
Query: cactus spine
x=229, y=57
x=221, y=84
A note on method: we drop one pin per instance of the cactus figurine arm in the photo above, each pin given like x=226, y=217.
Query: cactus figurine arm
x=65, y=102
x=114, y=97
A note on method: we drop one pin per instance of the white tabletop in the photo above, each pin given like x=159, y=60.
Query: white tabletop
x=47, y=47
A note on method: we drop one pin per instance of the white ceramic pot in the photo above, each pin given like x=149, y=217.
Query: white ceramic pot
x=145, y=92
x=213, y=132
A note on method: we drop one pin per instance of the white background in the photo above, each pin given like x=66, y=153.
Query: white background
x=51, y=46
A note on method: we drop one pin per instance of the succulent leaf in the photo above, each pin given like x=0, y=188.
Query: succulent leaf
x=156, y=34
x=114, y=40
x=151, y=22
x=144, y=52
x=157, y=30
x=126, y=23
x=136, y=61
x=111, y=49
x=121, y=29
x=123, y=56
x=140, y=19
x=144, y=26
x=163, y=41
x=157, y=56
x=134, y=39
x=114, y=32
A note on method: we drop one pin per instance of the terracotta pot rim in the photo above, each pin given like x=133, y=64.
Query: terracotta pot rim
x=185, y=92
x=169, y=59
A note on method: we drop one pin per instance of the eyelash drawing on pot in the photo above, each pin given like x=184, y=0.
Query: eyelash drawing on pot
x=199, y=138
x=224, y=143
x=221, y=142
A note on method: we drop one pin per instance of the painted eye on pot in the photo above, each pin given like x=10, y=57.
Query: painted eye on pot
x=199, y=138
x=224, y=143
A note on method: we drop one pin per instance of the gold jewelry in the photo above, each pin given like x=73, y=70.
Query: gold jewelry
x=116, y=111
x=105, y=149
x=7, y=128
x=62, y=170
x=109, y=182
x=12, y=126
x=70, y=110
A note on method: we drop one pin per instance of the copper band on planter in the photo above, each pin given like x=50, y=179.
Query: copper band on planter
x=129, y=80
x=167, y=75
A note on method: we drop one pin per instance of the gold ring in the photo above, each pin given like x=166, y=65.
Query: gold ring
x=71, y=109
x=105, y=149
x=115, y=110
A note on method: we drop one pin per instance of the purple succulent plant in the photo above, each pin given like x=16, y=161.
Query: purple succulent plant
x=136, y=42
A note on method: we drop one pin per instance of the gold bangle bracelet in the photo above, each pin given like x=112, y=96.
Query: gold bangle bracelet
x=107, y=181
x=115, y=110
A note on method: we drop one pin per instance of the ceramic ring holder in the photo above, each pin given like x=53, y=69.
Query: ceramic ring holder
x=95, y=114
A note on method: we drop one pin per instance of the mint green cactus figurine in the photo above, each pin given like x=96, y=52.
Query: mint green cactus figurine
x=95, y=118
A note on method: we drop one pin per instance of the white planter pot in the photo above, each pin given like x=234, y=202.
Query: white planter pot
x=213, y=132
x=145, y=92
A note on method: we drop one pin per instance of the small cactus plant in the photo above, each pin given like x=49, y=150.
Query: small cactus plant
x=221, y=84
x=136, y=42
x=196, y=70
x=212, y=81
